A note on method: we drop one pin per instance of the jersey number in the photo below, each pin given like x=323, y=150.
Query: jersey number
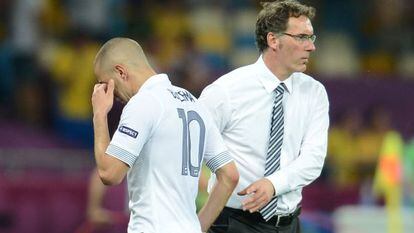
x=191, y=121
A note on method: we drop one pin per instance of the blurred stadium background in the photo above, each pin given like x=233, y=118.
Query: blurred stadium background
x=364, y=57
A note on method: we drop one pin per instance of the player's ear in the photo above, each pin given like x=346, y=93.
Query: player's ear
x=272, y=40
x=121, y=72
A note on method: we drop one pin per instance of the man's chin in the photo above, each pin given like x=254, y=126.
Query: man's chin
x=301, y=68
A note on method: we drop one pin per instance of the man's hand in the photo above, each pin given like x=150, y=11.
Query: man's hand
x=260, y=193
x=103, y=97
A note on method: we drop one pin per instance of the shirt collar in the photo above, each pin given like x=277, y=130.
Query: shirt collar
x=269, y=81
x=155, y=80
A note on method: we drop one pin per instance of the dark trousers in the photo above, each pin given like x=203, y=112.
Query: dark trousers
x=235, y=221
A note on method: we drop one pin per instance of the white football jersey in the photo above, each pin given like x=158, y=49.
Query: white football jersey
x=163, y=135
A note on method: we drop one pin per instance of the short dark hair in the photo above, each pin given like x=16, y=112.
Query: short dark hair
x=274, y=17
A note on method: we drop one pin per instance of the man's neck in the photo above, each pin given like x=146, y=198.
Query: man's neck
x=272, y=64
x=142, y=76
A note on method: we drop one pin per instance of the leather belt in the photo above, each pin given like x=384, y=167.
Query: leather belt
x=277, y=220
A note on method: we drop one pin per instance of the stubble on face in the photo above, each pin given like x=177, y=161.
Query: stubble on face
x=297, y=53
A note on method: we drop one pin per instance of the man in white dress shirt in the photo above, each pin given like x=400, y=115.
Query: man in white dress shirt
x=274, y=121
x=163, y=135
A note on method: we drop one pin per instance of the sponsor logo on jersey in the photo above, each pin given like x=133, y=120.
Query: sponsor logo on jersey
x=128, y=131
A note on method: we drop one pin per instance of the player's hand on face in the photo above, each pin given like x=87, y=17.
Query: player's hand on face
x=258, y=194
x=103, y=97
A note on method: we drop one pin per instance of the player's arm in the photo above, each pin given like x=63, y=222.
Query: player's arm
x=95, y=212
x=111, y=170
x=227, y=179
x=219, y=161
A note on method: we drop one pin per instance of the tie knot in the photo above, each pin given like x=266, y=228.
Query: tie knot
x=280, y=89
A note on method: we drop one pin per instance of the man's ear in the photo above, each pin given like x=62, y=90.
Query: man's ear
x=272, y=41
x=121, y=71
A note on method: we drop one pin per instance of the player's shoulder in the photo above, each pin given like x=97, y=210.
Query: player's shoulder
x=141, y=96
x=144, y=99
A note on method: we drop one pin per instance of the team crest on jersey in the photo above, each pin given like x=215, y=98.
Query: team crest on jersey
x=128, y=131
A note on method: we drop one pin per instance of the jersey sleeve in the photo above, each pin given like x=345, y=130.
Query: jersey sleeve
x=138, y=120
x=216, y=154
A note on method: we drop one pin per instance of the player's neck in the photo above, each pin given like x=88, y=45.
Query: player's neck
x=142, y=77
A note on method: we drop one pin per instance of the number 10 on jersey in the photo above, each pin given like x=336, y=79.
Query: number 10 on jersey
x=191, y=121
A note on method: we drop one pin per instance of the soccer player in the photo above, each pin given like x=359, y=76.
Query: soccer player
x=162, y=138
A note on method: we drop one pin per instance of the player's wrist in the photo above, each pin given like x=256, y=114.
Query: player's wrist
x=99, y=116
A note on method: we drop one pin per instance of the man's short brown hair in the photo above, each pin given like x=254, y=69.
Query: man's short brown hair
x=274, y=18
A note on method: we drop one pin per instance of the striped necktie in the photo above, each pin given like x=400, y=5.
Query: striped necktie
x=275, y=146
